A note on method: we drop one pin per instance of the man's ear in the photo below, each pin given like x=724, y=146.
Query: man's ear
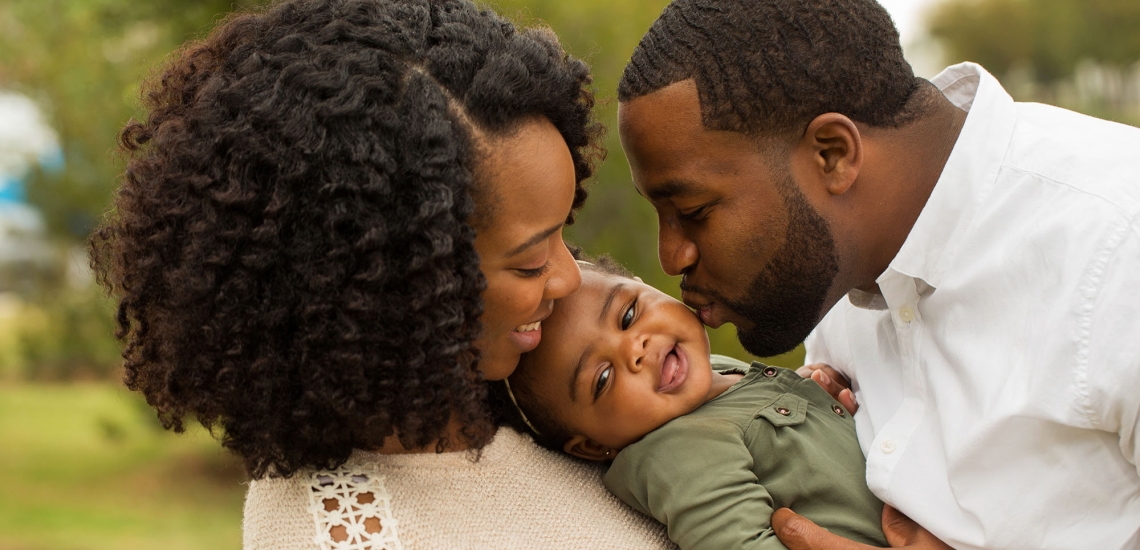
x=584, y=447
x=836, y=149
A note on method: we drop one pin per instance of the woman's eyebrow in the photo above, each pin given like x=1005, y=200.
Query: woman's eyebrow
x=537, y=238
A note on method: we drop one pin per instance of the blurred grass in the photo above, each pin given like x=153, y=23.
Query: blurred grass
x=86, y=467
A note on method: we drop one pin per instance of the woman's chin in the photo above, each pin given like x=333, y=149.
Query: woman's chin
x=499, y=362
x=500, y=356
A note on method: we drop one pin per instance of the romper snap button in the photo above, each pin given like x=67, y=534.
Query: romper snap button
x=783, y=410
x=770, y=371
x=838, y=410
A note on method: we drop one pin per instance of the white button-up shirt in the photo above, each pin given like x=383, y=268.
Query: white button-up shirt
x=998, y=375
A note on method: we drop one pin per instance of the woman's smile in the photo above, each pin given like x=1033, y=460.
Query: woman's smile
x=527, y=337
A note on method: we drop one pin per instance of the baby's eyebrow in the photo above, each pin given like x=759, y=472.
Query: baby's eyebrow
x=609, y=301
x=578, y=372
x=590, y=348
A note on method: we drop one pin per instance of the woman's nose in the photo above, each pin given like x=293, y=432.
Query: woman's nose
x=565, y=277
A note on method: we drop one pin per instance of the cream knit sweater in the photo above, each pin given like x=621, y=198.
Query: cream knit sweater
x=518, y=495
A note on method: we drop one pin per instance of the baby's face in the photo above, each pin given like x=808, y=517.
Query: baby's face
x=620, y=358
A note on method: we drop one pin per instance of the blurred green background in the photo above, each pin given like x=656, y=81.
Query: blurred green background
x=83, y=463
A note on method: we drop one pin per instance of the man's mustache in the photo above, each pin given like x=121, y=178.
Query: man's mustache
x=708, y=293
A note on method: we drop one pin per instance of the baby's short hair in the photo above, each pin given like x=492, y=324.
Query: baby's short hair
x=602, y=264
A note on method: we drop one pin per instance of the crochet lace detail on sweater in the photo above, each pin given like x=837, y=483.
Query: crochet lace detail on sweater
x=353, y=511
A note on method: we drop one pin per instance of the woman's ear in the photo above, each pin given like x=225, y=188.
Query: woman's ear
x=836, y=149
x=584, y=447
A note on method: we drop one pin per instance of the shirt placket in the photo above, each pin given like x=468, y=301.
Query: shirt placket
x=901, y=295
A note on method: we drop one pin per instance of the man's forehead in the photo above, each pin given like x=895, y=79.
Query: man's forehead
x=675, y=107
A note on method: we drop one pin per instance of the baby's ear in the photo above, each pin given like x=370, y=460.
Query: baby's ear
x=584, y=447
x=638, y=279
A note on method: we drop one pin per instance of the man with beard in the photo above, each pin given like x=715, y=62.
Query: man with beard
x=977, y=259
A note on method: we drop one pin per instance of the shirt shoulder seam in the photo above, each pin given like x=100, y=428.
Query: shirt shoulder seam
x=1115, y=204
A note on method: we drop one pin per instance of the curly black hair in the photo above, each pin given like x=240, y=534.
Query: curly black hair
x=768, y=67
x=291, y=246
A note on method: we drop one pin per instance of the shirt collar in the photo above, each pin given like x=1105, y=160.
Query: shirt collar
x=968, y=176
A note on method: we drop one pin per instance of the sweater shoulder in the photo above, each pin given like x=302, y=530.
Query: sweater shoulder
x=513, y=494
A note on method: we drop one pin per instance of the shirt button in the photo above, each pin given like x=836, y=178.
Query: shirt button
x=769, y=371
x=838, y=410
x=906, y=314
x=783, y=410
x=887, y=446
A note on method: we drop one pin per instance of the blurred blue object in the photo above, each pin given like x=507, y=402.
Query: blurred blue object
x=12, y=189
x=27, y=257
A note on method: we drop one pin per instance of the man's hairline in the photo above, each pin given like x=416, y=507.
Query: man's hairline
x=766, y=141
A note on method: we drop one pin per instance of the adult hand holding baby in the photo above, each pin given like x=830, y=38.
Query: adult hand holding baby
x=833, y=382
x=800, y=533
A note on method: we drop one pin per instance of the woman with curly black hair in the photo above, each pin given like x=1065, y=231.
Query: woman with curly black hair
x=339, y=220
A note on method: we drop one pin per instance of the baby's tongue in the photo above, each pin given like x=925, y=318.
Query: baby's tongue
x=668, y=370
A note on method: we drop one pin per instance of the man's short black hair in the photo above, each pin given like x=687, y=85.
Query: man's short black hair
x=768, y=67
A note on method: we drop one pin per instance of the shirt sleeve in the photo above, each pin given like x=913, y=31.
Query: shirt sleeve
x=695, y=476
x=1108, y=353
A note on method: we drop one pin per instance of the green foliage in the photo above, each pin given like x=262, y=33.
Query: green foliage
x=83, y=61
x=1079, y=54
x=62, y=331
x=69, y=337
x=85, y=467
x=1051, y=37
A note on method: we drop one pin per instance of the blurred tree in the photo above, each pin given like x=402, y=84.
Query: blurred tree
x=83, y=61
x=1051, y=36
x=1081, y=54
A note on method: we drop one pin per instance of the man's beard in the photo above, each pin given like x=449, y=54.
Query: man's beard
x=785, y=300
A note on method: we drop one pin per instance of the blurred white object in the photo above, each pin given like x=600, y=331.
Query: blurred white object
x=25, y=137
x=25, y=140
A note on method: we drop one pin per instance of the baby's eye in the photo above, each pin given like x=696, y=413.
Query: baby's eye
x=627, y=317
x=603, y=379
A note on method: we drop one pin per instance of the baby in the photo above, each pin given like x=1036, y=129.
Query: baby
x=706, y=444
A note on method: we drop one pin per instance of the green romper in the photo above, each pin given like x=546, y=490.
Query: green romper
x=772, y=440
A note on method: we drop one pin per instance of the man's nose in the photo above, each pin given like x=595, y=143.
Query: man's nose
x=676, y=251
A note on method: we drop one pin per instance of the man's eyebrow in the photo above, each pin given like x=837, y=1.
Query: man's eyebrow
x=578, y=372
x=670, y=189
x=537, y=238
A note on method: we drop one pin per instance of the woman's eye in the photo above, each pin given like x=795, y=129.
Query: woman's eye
x=536, y=272
x=603, y=379
x=627, y=317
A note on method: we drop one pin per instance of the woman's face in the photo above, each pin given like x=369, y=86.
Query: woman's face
x=527, y=188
